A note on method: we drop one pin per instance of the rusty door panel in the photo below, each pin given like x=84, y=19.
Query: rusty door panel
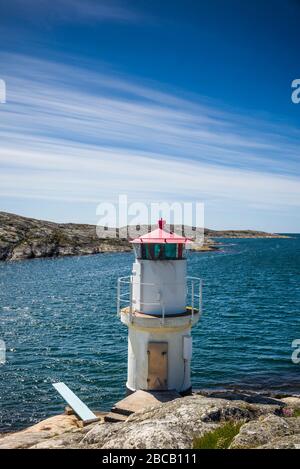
x=157, y=365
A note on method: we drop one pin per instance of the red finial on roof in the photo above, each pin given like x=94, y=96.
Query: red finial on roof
x=160, y=236
x=161, y=223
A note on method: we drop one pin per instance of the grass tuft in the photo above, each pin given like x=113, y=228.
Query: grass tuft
x=219, y=438
x=296, y=413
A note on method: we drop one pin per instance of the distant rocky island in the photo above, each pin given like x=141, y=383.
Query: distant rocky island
x=27, y=238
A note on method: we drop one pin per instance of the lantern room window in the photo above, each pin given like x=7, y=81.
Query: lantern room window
x=158, y=251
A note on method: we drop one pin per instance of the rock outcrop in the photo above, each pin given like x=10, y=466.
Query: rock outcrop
x=26, y=238
x=173, y=425
x=246, y=234
x=59, y=426
x=266, y=430
x=266, y=423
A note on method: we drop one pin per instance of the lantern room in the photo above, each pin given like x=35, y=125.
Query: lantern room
x=159, y=272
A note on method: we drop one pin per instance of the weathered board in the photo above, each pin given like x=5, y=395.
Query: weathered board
x=79, y=407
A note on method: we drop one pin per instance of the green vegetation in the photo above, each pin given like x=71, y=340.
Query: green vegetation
x=291, y=412
x=219, y=438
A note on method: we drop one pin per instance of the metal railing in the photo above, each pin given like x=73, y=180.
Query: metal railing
x=125, y=299
x=194, y=292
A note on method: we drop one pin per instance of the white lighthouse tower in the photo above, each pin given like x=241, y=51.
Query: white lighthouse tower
x=159, y=304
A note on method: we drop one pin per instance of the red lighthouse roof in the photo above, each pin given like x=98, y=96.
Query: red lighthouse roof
x=161, y=236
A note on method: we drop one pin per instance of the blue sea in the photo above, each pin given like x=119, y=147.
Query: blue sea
x=58, y=319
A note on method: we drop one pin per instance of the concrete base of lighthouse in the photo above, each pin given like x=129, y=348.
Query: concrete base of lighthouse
x=187, y=392
x=159, y=351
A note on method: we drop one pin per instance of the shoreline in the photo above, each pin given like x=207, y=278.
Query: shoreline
x=263, y=420
x=27, y=238
x=250, y=394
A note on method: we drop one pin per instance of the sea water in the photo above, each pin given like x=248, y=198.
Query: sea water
x=58, y=320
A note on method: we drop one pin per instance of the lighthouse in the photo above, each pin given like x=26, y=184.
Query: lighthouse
x=159, y=304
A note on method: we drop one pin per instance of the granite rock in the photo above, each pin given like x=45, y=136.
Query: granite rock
x=265, y=429
x=171, y=425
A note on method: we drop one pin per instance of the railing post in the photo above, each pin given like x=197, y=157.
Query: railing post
x=118, y=297
x=163, y=314
x=130, y=299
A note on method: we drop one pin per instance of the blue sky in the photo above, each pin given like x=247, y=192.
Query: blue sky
x=162, y=101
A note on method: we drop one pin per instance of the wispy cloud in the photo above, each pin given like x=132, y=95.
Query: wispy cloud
x=75, y=11
x=68, y=134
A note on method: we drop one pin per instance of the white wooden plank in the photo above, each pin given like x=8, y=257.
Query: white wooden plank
x=79, y=407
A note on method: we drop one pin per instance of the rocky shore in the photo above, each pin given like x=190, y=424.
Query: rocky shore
x=27, y=238
x=259, y=422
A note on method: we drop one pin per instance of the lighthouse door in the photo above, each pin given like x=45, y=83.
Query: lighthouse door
x=157, y=365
